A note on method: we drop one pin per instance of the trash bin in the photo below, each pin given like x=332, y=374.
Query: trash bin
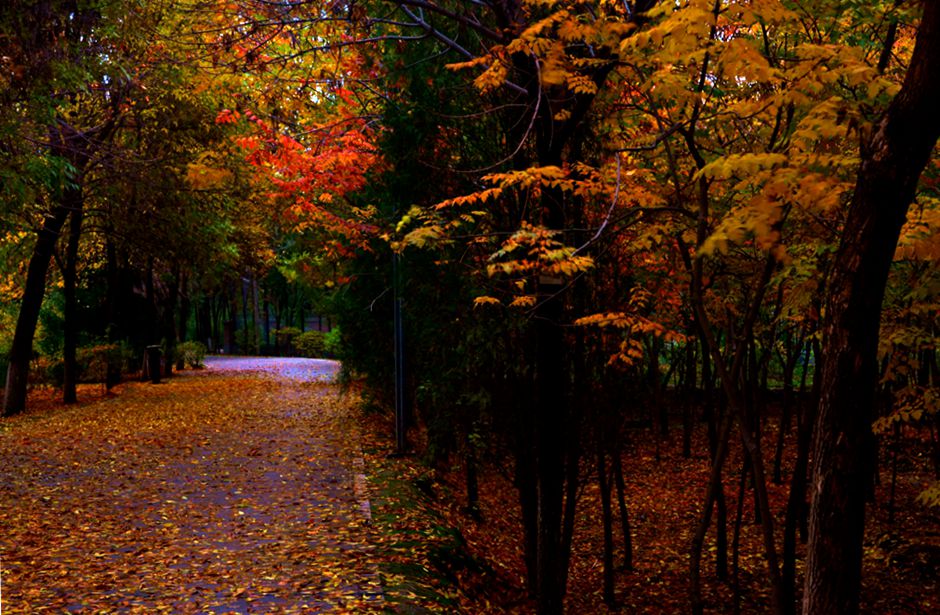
x=153, y=363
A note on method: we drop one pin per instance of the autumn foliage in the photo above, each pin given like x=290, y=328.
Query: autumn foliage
x=625, y=261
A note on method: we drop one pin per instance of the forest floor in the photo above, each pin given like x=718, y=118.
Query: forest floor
x=242, y=489
x=664, y=494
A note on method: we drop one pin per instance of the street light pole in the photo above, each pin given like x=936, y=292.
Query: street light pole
x=400, y=424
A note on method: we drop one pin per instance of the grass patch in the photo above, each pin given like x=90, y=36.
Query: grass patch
x=421, y=556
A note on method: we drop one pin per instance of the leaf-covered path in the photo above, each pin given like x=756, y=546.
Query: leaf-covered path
x=225, y=491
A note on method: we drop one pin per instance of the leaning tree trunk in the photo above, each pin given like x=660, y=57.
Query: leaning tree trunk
x=893, y=157
x=622, y=505
x=21, y=351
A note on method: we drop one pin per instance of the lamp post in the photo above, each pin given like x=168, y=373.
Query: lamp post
x=398, y=340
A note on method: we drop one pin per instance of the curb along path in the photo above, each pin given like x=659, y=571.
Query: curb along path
x=238, y=489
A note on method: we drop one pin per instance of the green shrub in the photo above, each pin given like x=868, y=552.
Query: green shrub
x=7, y=326
x=4, y=359
x=284, y=338
x=93, y=363
x=49, y=371
x=193, y=354
x=311, y=344
x=334, y=342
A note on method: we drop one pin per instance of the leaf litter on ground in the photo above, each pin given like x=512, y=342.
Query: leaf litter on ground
x=210, y=493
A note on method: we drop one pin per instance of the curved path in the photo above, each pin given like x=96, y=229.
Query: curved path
x=293, y=369
x=228, y=490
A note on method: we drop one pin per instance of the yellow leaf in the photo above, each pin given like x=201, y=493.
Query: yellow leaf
x=485, y=300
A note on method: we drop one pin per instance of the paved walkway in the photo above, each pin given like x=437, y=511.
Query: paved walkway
x=229, y=490
x=292, y=369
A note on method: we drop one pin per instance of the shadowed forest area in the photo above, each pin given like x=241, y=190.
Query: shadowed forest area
x=636, y=304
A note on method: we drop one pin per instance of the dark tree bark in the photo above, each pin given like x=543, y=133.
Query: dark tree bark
x=149, y=295
x=736, y=539
x=472, y=482
x=75, y=146
x=654, y=383
x=786, y=412
x=169, y=322
x=624, y=514
x=573, y=482
x=550, y=444
x=892, y=159
x=607, y=521
x=255, y=314
x=111, y=310
x=688, y=394
x=711, y=498
x=525, y=479
x=69, y=278
x=795, y=514
x=185, y=308
x=21, y=350
x=266, y=315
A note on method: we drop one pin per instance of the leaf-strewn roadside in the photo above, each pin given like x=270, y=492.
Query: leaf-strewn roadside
x=204, y=494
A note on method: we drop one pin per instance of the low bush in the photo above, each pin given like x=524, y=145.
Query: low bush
x=193, y=354
x=334, y=343
x=93, y=363
x=285, y=339
x=4, y=360
x=311, y=344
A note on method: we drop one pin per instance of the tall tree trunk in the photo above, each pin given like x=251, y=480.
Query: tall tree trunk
x=736, y=539
x=182, y=326
x=786, y=412
x=654, y=383
x=21, y=350
x=255, y=314
x=572, y=482
x=711, y=497
x=266, y=311
x=892, y=159
x=815, y=396
x=721, y=532
x=729, y=377
x=687, y=395
x=472, y=480
x=169, y=322
x=551, y=392
x=150, y=296
x=69, y=278
x=796, y=502
x=245, y=341
x=230, y=324
x=550, y=432
x=624, y=514
x=525, y=482
x=111, y=310
x=185, y=309
x=607, y=522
